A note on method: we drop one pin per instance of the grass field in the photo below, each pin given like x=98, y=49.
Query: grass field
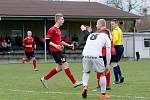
x=20, y=82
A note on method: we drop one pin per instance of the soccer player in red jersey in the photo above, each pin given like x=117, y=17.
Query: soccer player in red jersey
x=29, y=46
x=101, y=27
x=55, y=47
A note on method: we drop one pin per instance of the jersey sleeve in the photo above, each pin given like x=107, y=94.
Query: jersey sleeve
x=24, y=42
x=108, y=50
x=34, y=42
x=108, y=42
x=50, y=33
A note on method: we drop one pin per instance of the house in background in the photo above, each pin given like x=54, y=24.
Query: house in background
x=143, y=23
x=18, y=16
x=138, y=41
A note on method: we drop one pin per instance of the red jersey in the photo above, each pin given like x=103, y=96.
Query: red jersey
x=28, y=41
x=54, y=34
x=104, y=48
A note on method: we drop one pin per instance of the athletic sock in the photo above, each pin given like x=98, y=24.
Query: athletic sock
x=115, y=69
x=98, y=79
x=34, y=64
x=103, y=84
x=119, y=71
x=50, y=74
x=69, y=74
x=85, y=79
x=108, y=79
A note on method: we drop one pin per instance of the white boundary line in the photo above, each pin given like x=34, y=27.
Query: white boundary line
x=52, y=92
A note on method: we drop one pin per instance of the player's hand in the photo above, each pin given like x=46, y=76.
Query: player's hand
x=71, y=46
x=59, y=47
x=83, y=27
x=107, y=70
x=34, y=46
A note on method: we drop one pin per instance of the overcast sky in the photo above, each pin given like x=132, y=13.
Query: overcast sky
x=141, y=2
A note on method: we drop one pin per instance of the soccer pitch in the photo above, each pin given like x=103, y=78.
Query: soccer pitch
x=20, y=82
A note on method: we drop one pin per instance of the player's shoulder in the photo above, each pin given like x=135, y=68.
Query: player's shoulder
x=25, y=38
x=52, y=29
x=32, y=38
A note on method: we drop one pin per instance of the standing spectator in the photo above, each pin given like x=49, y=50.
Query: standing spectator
x=29, y=46
x=101, y=27
x=86, y=30
x=118, y=44
x=75, y=40
x=18, y=41
x=66, y=39
x=9, y=45
x=4, y=46
x=1, y=48
x=55, y=47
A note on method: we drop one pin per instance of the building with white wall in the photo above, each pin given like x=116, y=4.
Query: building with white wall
x=137, y=42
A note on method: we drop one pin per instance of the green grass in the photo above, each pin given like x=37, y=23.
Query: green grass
x=20, y=82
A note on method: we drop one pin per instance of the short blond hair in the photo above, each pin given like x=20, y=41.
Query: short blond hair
x=102, y=22
x=29, y=32
x=57, y=16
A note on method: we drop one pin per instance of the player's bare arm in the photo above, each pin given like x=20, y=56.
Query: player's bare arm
x=34, y=46
x=56, y=45
x=68, y=45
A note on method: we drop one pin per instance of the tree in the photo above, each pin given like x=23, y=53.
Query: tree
x=115, y=3
x=134, y=6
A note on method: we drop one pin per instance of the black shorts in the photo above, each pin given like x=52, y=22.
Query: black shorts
x=59, y=57
x=119, y=51
x=30, y=55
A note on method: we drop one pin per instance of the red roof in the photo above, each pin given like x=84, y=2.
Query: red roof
x=68, y=8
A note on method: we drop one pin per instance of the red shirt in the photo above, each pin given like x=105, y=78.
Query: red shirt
x=54, y=34
x=28, y=41
x=104, y=48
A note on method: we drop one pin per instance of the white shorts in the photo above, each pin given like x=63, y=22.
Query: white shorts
x=96, y=63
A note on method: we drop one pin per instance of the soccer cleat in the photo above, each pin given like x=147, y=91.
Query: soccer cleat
x=77, y=83
x=44, y=82
x=121, y=79
x=35, y=69
x=104, y=96
x=84, y=93
x=115, y=82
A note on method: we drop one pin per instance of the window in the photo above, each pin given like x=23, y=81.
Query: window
x=15, y=33
x=147, y=42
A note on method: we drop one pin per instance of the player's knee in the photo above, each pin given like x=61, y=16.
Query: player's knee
x=33, y=59
x=102, y=74
x=114, y=64
x=59, y=69
x=65, y=64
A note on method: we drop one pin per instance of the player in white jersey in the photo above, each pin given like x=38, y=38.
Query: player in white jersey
x=92, y=58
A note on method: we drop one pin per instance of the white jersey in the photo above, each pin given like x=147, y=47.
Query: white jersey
x=94, y=44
